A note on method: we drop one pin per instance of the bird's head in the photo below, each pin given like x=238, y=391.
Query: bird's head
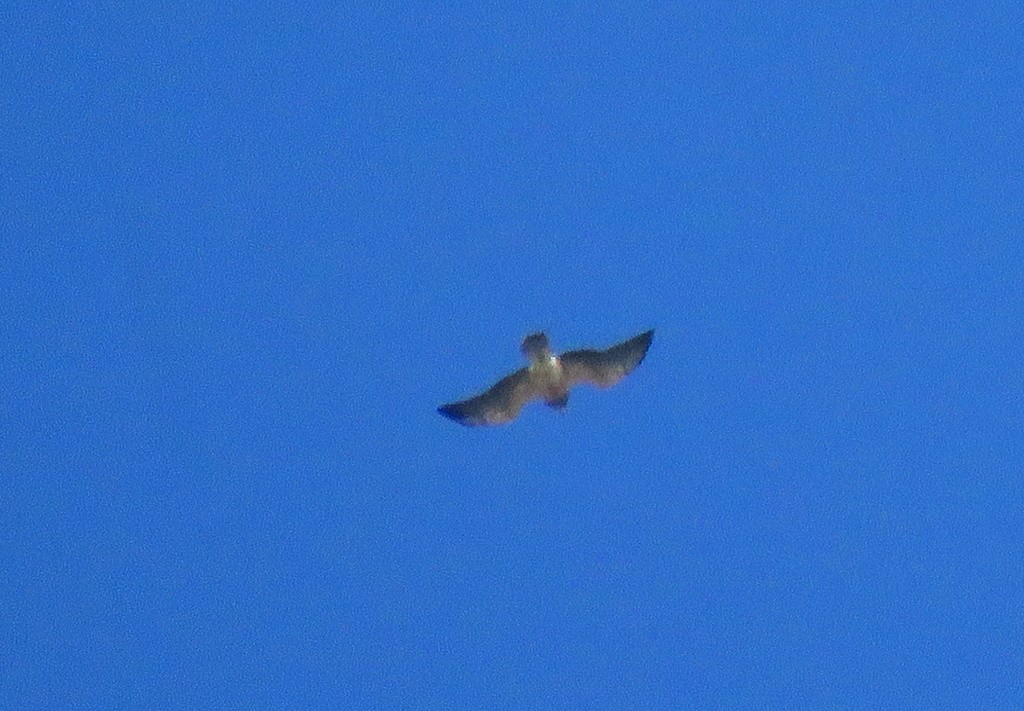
x=536, y=348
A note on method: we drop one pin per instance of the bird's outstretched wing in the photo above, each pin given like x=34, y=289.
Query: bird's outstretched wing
x=607, y=367
x=498, y=405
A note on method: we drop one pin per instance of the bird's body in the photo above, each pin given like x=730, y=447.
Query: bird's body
x=548, y=378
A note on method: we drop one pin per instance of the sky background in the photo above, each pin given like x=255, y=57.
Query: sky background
x=247, y=249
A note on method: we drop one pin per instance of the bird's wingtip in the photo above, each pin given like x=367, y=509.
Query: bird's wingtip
x=644, y=340
x=454, y=413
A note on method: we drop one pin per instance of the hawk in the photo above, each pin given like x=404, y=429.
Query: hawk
x=548, y=378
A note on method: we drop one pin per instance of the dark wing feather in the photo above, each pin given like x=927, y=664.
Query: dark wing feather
x=607, y=367
x=496, y=406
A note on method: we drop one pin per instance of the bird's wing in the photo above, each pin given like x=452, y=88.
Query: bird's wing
x=496, y=406
x=607, y=367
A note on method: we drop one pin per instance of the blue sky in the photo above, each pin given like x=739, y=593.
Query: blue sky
x=248, y=249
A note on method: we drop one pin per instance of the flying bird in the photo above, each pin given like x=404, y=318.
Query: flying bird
x=548, y=378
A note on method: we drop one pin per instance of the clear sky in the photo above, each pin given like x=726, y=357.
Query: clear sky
x=248, y=248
